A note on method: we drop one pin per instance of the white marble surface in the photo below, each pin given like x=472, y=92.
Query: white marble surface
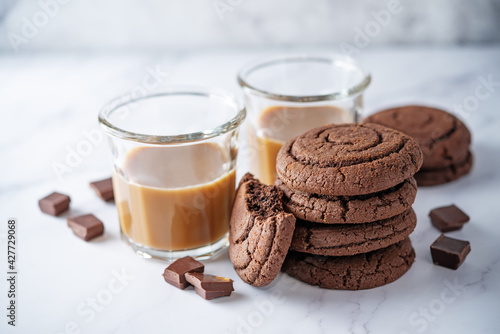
x=27, y=25
x=46, y=103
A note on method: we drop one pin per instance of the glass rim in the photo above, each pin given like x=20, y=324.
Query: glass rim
x=126, y=99
x=319, y=58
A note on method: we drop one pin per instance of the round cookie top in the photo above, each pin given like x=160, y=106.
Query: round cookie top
x=443, y=138
x=348, y=159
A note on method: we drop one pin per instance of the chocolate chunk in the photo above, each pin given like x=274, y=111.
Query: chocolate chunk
x=181, y=286
x=449, y=252
x=103, y=189
x=209, y=295
x=210, y=282
x=54, y=204
x=174, y=273
x=448, y=218
x=86, y=227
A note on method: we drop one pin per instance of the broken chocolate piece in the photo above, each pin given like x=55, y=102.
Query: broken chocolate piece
x=86, y=227
x=174, y=273
x=209, y=282
x=103, y=189
x=181, y=286
x=448, y=218
x=54, y=204
x=449, y=252
x=209, y=295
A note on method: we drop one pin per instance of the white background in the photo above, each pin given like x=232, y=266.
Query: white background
x=158, y=24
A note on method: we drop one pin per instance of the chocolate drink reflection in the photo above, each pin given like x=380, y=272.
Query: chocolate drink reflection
x=278, y=124
x=169, y=205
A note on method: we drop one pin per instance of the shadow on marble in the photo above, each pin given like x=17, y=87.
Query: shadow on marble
x=235, y=297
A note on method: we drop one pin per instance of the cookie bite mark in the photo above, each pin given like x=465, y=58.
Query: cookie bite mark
x=260, y=232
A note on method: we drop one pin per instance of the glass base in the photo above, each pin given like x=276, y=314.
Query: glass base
x=200, y=253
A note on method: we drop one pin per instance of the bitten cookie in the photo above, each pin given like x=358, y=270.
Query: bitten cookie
x=352, y=239
x=349, y=209
x=362, y=271
x=348, y=159
x=443, y=138
x=260, y=232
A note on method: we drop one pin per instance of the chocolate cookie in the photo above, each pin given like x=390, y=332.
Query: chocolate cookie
x=348, y=159
x=352, y=239
x=443, y=138
x=260, y=232
x=362, y=271
x=432, y=177
x=349, y=209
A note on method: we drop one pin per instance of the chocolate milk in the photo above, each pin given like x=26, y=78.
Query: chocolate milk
x=175, y=198
x=278, y=124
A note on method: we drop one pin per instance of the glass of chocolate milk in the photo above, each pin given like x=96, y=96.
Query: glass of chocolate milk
x=174, y=161
x=288, y=95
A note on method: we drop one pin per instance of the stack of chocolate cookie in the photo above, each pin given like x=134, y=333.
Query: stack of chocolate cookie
x=443, y=139
x=351, y=188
